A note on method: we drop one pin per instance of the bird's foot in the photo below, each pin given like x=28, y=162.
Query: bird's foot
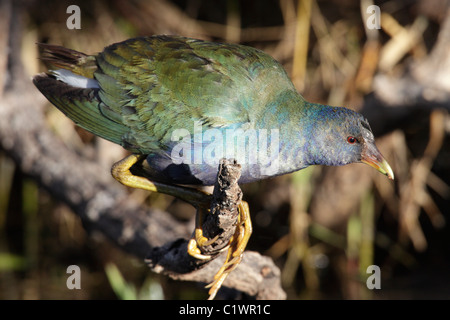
x=235, y=247
x=199, y=241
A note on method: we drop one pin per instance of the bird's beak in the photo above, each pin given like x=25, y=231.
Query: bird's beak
x=373, y=158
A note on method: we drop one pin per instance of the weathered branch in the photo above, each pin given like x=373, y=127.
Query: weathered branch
x=172, y=259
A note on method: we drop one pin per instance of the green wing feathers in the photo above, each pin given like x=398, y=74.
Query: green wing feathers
x=136, y=92
x=81, y=106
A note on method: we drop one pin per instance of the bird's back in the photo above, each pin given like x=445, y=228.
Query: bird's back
x=163, y=83
x=141, y=90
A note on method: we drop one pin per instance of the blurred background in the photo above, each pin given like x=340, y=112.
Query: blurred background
x=322, y=226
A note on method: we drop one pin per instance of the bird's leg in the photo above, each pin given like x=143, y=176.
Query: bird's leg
x=121, y=172
x=237, y=245
x=199, y=199
x=202, y=201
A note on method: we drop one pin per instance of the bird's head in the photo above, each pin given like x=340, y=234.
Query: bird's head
x=341, y=136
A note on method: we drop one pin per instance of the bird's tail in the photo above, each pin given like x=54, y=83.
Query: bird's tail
x=74, y=91
x=68, y=59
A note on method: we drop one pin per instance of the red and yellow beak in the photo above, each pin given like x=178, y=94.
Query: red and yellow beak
x=373, y=158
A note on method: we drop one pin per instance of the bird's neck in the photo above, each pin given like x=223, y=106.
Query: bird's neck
x=301, y=131
x=287, y=114
x=316, y=143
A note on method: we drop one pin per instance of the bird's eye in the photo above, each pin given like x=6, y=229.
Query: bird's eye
x=351, y=140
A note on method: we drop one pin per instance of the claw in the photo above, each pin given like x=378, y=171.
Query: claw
x=204, y=242
x=195, y=252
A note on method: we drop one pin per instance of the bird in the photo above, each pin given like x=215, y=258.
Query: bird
x=179, y=105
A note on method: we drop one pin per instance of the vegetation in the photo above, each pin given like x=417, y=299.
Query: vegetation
x=322, y=226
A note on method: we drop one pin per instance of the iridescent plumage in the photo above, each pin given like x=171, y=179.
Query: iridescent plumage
x=137, y=92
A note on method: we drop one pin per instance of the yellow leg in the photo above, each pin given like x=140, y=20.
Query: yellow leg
x=237, y=245
x=121, y=172
x=201, y=200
